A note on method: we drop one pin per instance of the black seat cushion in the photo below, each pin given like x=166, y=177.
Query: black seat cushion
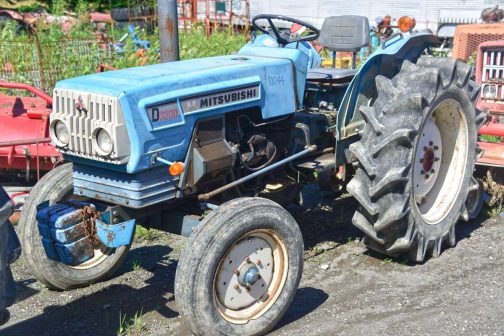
x=319, y=74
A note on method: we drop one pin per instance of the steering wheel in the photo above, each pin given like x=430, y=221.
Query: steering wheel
x=282, y=41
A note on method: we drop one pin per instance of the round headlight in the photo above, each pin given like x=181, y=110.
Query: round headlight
x=104, y=142
x=490, y=92
x=61, y=133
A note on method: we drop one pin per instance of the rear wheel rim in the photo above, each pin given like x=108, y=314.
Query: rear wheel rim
x=444, y=138
x=250, y=276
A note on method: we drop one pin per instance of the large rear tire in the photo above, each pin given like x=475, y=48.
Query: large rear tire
x=416, y=158
x=55, y=186
x=240, y=270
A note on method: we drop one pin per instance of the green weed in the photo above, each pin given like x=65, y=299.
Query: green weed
x=133, y=326
x=145, y=234
x=135, y=265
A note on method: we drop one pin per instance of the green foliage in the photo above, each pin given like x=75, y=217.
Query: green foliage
x=472, y=59
x=53, y=54
x=135, y=265
x=132, y=326
x=142, y=233
x=491, y=138
x=194, y=43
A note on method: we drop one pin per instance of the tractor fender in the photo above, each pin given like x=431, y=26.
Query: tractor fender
x=385, y=61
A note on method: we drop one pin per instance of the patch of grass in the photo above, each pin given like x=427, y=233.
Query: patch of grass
x=145, y=234
x=131, y=327
x=388, y=261
x=135, y=265
x=491, y=138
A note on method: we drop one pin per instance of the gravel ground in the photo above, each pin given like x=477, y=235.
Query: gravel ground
x=346, y=290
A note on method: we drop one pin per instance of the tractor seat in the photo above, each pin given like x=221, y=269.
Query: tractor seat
x=330, y=74
x=347, y=33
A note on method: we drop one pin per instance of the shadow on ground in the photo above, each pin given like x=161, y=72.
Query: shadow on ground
x=325, y=218
x=98, y=313
x=307, y=299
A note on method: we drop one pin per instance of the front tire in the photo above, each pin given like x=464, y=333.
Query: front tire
x=416, y=158
x=246, y=238
x=55, y=186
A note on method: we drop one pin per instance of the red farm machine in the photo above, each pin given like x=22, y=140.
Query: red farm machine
x=484, y=45
x=490, y=74
x=26, y=152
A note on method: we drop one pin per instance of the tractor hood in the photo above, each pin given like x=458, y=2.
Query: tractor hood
x=159, y=104
x=279, y=66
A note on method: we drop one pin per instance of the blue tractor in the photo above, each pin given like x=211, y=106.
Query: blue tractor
x=215, y=148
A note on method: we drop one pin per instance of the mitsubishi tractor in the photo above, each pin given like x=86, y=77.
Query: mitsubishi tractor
x=215, y=148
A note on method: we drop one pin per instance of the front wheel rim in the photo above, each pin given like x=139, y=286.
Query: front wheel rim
x=444, y=135
x=250, y=276
x=100, y=254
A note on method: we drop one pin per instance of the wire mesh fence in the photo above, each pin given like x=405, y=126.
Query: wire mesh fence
x=42, y=64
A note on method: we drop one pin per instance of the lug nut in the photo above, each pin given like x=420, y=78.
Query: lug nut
x=432, y=171
x=236, y=287
x=426, y=176
x=425, y=149
x=431, y=143
x=247, y=288
x=258, y=262
x=436, y=159
x=422, y=172
x=247, y=260
x=236, y=272
x=436, y=147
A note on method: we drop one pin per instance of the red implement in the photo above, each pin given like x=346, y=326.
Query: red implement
x=489, y=74
x=24, y=132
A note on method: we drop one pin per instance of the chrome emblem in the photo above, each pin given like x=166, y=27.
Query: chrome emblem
x=80, y=105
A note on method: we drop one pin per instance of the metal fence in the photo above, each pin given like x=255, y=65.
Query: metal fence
x=42, y=64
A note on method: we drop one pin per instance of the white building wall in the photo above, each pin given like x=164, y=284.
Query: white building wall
x=428, y=13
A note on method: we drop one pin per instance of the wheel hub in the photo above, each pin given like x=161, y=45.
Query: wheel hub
x=427, y=160
x=441, y=155
x=246, y=273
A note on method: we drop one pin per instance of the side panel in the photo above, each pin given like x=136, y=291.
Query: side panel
x=269, y=86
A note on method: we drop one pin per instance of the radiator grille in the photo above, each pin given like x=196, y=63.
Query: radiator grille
x=83, y=112
x=493, y=65
x=493, y=71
